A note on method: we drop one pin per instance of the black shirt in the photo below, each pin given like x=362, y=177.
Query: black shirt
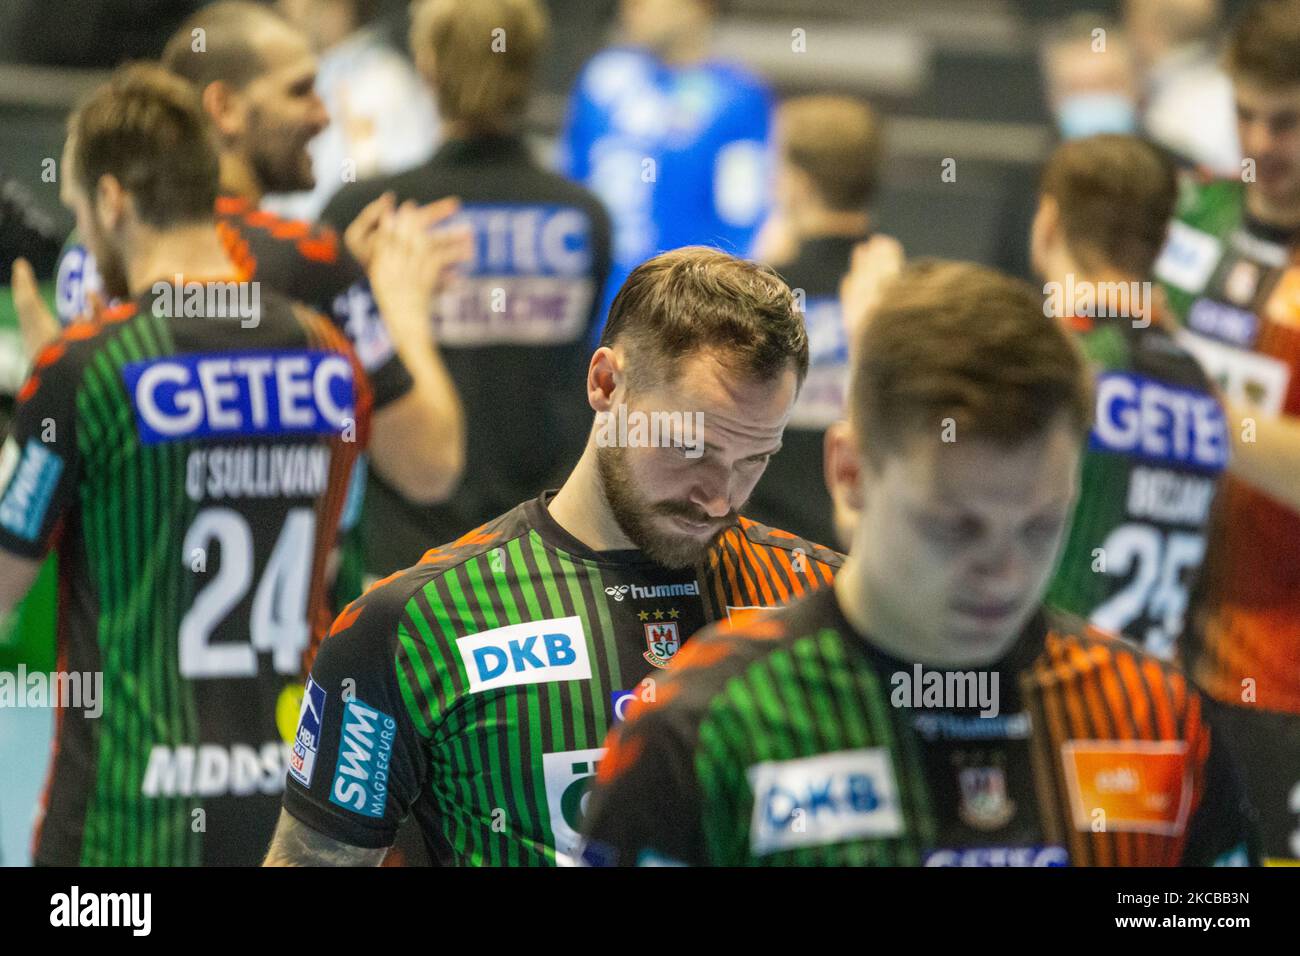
x=513, y=333
x=792, y=493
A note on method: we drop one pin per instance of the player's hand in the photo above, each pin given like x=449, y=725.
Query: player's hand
x=412, y=261
x=37, y=323
x=874, y=263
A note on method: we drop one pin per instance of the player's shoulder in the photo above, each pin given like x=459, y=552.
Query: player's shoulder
x=1201, y=190
x=1076, y=649
x=784, y=546
x=61, y=363
x=615, y=71
x=494, y=534
x=271, y=242
x=346, y=204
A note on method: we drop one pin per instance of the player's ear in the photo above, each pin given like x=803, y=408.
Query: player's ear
x=842, y=467
x=226, y=108
x=111, y=203
x=604, y=375
x=1046, y=228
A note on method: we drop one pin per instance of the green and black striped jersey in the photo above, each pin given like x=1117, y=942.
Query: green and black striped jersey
x=1148, y=477
x=793, y=740
x=191, y=467
x=475, y=689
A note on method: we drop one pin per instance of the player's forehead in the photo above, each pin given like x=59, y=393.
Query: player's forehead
x=1258, y=98
x=286, y=57
x=736, y=407
x=982, y=476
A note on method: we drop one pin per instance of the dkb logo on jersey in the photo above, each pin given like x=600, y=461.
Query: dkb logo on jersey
x=1140, y=416
x=365, y=750
x=240, y=393
x=829, y=798
x=534, y=652
x=306, y=742
x=568, y=777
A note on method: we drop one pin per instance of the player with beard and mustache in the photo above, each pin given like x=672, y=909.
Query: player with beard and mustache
x=473, y=690
x=256, y=73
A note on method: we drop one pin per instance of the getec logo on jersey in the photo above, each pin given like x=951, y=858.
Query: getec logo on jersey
x=27, y=482
x=829, y=798
x=223, y=394
x=530, y=280
x=365, y=752
x=306, y=742
x=1140, y=416
x=534, y=652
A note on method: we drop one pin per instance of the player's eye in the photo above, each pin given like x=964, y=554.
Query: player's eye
x=1042, y=529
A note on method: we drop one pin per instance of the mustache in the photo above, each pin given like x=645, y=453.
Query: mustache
x=676, y=509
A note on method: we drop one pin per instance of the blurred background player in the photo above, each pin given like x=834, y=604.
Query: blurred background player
x=1160, y=440
x=1090, y=76
x=191, y=465
x=500, y=661
x=673, y=139
x=1232, y=278
x=1184, y=97
x=968, y=412
x=382, y=118
x=256, y=72
x=516, y=331
x=827, y=171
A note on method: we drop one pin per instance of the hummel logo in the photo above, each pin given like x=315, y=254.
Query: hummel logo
x=616, y=591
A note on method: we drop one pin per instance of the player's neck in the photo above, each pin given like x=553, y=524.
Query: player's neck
x=238, y=178
x=1073, y=290
x=192, y=251
x=823, y=223
x=581, y=508
x=1278, y=215
x=688, y=50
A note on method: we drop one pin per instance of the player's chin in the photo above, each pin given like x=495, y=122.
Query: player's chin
x=987, y=622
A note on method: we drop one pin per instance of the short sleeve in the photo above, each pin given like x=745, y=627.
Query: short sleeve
x=358, y=764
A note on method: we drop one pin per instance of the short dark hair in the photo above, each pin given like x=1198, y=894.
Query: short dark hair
x=953, y=340
x=1264, y=44
x=146, y=127
x=836, y=141
x=229, y=53
x=1116, y=194
x=698, y=300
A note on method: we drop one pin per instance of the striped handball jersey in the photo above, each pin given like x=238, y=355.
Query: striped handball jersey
x=1234, y=284
x=792, y=740
x=475, y=689
x=191, y=471
x=1148, y=479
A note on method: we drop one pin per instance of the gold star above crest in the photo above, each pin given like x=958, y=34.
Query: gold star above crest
x=643, y=616
x=659, y=615
x=674, y=613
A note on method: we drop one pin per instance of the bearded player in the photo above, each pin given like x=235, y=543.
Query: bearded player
x=485, y=678
x=927, y=709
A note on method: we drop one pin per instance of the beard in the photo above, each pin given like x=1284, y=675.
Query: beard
x=114, y=285
x=279, y=160
x=635, y=515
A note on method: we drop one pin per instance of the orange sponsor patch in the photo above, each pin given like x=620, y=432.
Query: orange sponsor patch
x=1141, y=786
x=738, y=617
